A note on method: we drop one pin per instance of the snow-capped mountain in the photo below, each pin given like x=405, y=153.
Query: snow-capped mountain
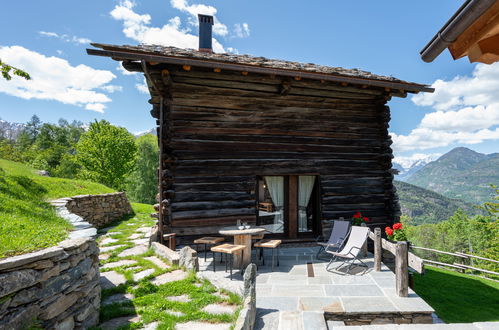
x=10, y=131
x=407, y=166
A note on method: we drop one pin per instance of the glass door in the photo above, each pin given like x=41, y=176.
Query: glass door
x=307, y=204
x=271, y=203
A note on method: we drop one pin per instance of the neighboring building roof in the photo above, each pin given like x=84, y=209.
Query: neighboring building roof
x=173, y=55
x=472, y=31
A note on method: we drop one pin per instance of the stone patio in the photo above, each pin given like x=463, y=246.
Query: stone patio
x=293, y=297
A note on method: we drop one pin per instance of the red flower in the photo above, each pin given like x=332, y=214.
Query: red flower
x=366, y=219
x=388, y=231
x=357, y=215
x=397, y=226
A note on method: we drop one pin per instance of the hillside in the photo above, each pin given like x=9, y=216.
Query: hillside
x=27, y=221
x=461, y=173
x=425, y=206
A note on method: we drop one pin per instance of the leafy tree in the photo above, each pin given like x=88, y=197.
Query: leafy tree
x=33, y=127
x=143, y=182
x=106, y=154
x=6, y=71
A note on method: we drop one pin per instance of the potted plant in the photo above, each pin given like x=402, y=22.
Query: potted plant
x=396, y=232
x=359, y=220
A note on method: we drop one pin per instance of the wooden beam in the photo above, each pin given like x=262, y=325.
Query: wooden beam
x=293, y=206
x=485, y=51
x=401, y=270
x=378, y=252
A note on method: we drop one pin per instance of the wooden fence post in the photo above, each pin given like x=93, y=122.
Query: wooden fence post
x=401, y=269
x=378, y=252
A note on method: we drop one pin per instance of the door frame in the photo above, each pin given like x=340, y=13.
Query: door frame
x=291, y=206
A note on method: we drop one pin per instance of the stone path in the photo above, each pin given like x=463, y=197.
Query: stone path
x=127, y=264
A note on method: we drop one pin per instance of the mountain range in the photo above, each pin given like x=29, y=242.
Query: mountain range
x=460, y=174
x=426, y=206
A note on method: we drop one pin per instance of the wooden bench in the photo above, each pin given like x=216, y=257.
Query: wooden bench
x=269, y=244
x=230, y=250
x=209, y=240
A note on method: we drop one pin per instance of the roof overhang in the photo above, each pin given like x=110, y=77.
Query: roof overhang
x=121, y=55
x=472, y=31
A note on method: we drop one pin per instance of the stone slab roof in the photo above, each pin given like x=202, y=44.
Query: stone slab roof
x=246, y=60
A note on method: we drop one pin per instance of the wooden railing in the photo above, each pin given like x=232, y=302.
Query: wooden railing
x=459, y=266
x=403, y=260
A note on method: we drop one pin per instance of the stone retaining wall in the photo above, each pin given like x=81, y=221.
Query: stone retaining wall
x=98, y=210
x=58, y=286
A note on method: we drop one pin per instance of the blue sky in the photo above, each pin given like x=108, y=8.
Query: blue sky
x=49, y=39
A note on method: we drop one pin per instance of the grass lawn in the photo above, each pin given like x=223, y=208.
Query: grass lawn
x=27, y=221
x=151, y=301
x=459, y=298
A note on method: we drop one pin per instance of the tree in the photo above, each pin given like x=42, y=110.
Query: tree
x=33, y=127
x=143, y=182
x=106, y=154
x=6, y=70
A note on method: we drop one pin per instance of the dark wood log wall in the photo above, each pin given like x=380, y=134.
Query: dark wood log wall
x=222, y=129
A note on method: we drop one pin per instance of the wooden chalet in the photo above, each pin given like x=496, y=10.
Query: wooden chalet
x=273, y=143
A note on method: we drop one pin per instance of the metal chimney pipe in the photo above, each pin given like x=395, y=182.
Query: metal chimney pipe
x=205, y=27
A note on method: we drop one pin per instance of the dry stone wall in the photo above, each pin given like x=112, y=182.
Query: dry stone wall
x=58, y=286
x=98, y=210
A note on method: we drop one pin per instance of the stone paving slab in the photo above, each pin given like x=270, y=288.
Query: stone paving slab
x=202, y=326
x=143, y=274
x=118, y=322
x=298, y=290
x=314, y=321
x=117, y=298
x=291, y=320
x=119, y=264
x=320, y=304
x=219, y=309
x=108, y=240
x=144, y=230
x=111, y=279
x=350, y=290
x=110, y=248
x=158, y=262
x=135, y=251
x=277, y=303
x=175, y=275
x=367, y=304
x=136, y=236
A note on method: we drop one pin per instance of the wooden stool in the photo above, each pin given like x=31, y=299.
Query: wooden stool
x=269, y=244
x=207, y=240
x=230, y=250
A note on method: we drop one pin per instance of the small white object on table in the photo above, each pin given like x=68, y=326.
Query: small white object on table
x=242, y=237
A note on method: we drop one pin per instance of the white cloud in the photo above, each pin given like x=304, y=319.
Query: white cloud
x=467, y=112
x=241, y=30
x=56, y=79
x=112, y=88
x=65, y=37
x=142, y=87
x=195, y=9
x=98, y=107
x=137, y=27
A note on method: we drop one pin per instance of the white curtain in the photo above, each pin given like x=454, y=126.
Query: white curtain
x=305, y=187
x=275, y=185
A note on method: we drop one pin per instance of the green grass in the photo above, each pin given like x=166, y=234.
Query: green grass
x=27, y=221
x=55, y=187
x=150, y=301
x=459, y=298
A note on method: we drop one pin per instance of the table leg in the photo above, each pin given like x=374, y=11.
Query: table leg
x=244, y=259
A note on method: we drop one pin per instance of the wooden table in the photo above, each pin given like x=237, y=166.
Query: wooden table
x=242, y=237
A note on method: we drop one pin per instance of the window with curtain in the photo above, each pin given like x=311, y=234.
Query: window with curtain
x=271, y=203
x=305, y=211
